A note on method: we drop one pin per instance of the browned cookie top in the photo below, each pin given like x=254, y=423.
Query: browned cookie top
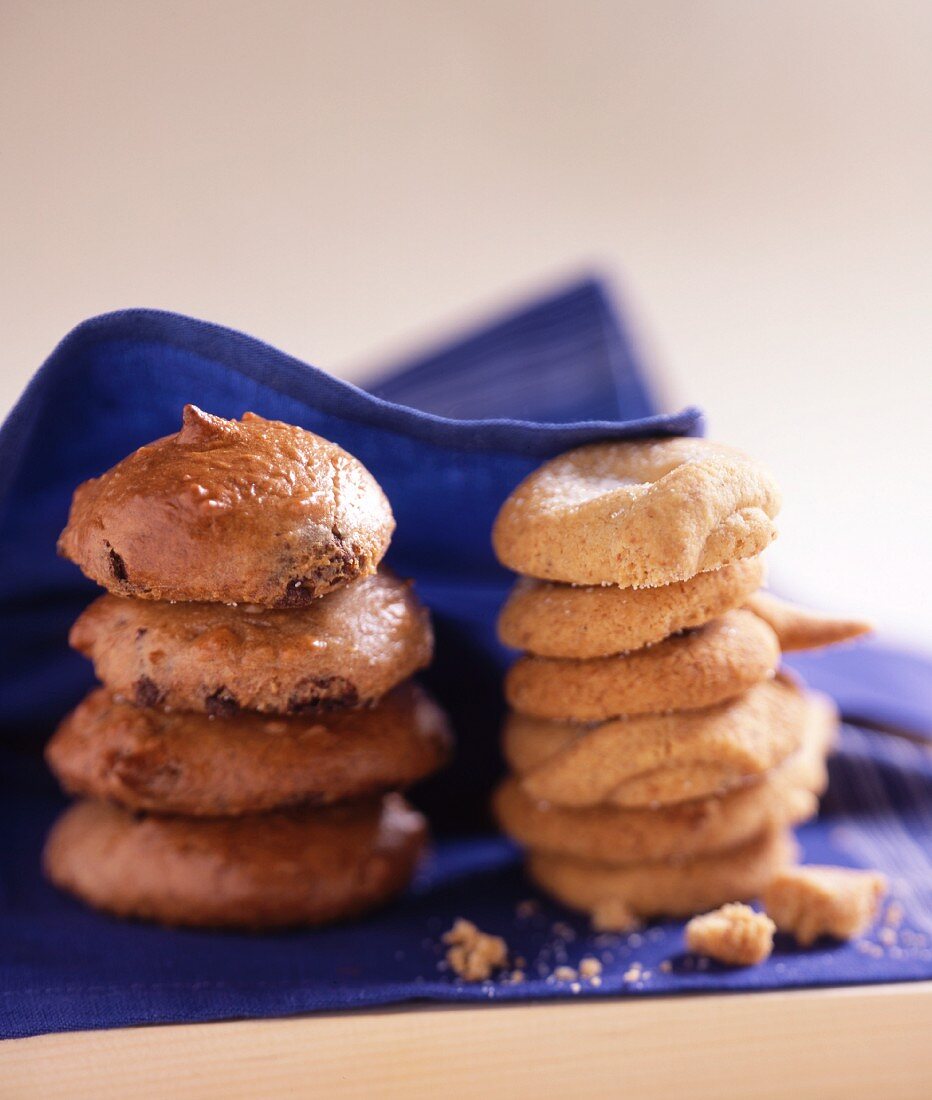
x=252, y=511
x=307, y=866
x=190, y=764
x=349, y=647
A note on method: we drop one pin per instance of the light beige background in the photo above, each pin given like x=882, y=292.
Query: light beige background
x=347, y=179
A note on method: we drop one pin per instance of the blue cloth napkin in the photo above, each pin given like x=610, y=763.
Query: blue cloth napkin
x=476, y=417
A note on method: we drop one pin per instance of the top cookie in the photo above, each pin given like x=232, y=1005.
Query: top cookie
x=230, y=511
x=637, y=514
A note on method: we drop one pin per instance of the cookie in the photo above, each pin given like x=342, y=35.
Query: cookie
x=304, y=867
x=696, y=669
x=349, y=647
x=230, y=511
x=675, y=888
x=637, y=514
x=657, y=759
x=185, y=763
x=798, y=628
x=785, y=796
x=580, y=621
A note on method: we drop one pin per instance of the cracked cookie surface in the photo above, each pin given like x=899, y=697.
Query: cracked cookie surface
x=637, y=514
x=230, y=511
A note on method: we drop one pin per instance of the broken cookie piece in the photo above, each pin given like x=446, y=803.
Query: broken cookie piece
x=798, y=628
x=815, y=901
x=734, y=934
x=474, y=955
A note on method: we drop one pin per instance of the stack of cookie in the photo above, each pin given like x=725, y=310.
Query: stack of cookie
x=240, y=765
x=659, y=758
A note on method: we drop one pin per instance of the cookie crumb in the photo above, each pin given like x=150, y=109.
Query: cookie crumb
x=733, y=934
x=526, y=909
x=563, y=931
x=633, y=973
x=665, y=967
x=614, y=916
x=893, y=917
x=565, y=974
x=887, y=936
x=474, y=955
x=815, y=901
x=589, y=967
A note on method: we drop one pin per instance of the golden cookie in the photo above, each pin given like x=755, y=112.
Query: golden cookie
x=798, y=628
x=637, y=514
x=230, y=511
x=785, y=796
x=349, y=647
x=176, y=762
x=659, y=758
x=698, y=669
x=579, y=621
x=303, y=867
x=672, y=888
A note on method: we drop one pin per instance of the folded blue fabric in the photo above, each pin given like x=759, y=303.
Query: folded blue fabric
x=477, y=416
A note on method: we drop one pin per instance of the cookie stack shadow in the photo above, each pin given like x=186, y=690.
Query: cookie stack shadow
x=240, y=766
x=659, y=758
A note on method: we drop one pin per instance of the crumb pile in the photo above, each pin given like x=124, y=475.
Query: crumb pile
x=659, y=759
x=833, y=902
x=240, y=766
x=474, y=955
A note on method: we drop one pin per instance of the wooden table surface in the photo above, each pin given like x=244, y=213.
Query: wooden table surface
x=846, y=1043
